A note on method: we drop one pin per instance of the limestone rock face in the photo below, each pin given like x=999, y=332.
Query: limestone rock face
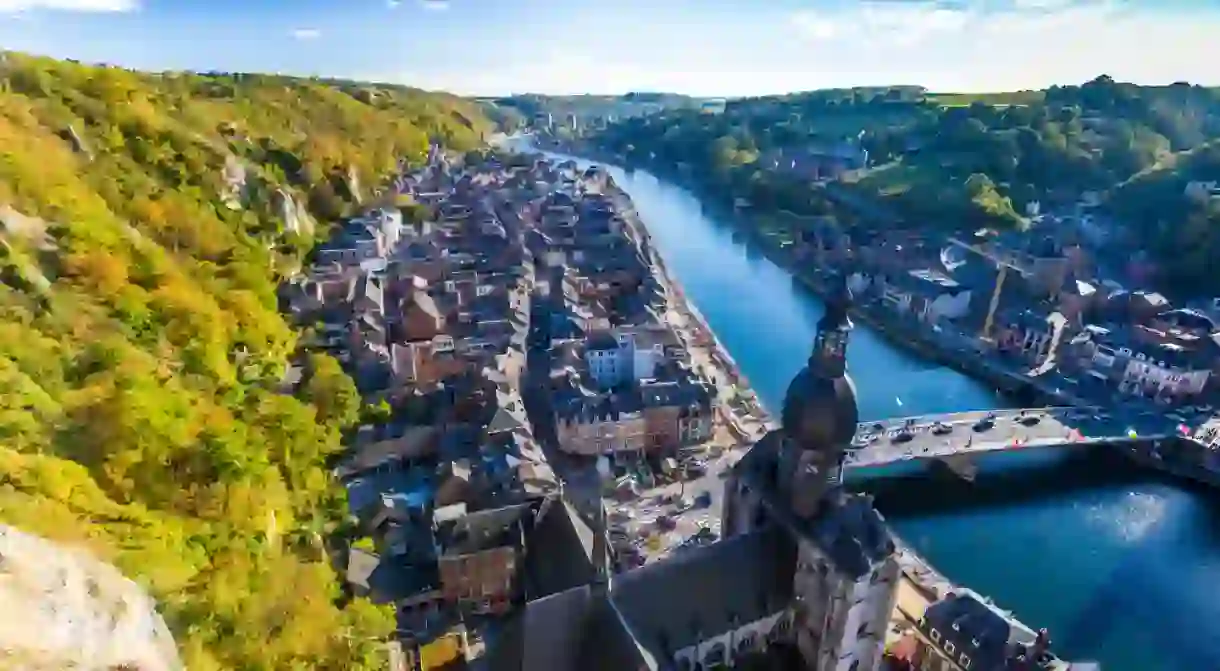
x=63, y=609
x=352, y=182
x=296, y=216
x=234, y=195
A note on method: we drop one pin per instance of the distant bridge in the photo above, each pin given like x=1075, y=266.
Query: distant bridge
x=968, y=433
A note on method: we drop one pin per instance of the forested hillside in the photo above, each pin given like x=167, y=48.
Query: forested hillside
x=147, y=220
x=936, y=160
x=1174, y=211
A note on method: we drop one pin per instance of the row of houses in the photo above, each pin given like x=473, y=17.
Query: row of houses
x=459, y=516
x=620, y=382
x=1033, y=305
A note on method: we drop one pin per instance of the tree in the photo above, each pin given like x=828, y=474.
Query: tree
x=331, y=391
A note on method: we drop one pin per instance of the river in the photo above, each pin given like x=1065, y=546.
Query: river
x=1122, y=565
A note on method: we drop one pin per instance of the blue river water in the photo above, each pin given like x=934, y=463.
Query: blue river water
x=1121, y=564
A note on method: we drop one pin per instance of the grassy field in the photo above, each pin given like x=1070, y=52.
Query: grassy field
x=899, y=178
x=997, y=99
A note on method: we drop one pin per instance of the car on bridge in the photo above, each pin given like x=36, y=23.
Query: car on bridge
x=942, y=429
x=1029, y=420
x=903, y=436
x=985, y=424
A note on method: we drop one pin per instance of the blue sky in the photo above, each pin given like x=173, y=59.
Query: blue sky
x=703, y=47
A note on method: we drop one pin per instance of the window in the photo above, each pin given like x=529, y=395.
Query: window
x=964, y=660
x=934, y=635
x=950, y=648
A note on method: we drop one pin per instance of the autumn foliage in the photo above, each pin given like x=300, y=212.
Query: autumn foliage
x=141, y=354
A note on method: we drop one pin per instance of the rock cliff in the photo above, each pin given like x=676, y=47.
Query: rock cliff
x=63, y=609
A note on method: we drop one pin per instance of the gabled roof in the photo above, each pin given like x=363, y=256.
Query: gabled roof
x=504, y=421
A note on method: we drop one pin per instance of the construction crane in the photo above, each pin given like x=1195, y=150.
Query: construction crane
x=1004, y=265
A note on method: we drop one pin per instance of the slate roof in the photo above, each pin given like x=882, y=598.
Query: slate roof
x=560, y=551
x=672, y=604
x=572, y=630
x=389, y=581
x=990, y=641
x=610, y=643
x=483, y=530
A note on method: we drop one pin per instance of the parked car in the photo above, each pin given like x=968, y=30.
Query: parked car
x=985, y=424
x=903, y=436
x=1030, y=420
x=942, y=429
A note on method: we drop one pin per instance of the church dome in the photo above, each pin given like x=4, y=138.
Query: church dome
x=820, y=412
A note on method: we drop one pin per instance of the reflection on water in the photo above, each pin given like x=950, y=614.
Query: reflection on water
x=1130, y=521
x=1121, y=564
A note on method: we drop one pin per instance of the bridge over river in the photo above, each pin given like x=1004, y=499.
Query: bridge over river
x=971, y=433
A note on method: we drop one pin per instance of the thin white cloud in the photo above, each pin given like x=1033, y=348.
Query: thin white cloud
x=888, y=23
x=97, y=6
x=306, y=34
x=434, y=5
x=882, y=23
x=1044, y=5
x=393, y=4
x=815, y=25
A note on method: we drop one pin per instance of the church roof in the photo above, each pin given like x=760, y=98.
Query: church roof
x=690, y=597
x=563, y=550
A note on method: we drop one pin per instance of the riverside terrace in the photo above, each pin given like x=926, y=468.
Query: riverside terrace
x=939, y=436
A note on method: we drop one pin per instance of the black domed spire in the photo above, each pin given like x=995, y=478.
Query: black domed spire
x=820, y=412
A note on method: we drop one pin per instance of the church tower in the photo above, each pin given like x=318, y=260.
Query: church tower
x=845, y=579
x=820, y=415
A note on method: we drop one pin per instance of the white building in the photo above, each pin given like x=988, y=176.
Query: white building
x=621, y=357
x=386, y=224
x=1164, y=372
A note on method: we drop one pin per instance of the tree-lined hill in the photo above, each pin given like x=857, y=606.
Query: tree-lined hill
x=522, y=109
x=147, y=220
x=942, y=160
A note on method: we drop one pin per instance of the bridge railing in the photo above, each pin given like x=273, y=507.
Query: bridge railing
x=948, y=418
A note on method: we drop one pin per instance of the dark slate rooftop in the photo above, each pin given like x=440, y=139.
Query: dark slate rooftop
x=578, y=407
x=984, y=635
x=560, y=550
x=670, y=393
x=670, y=604
x=483, y=530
